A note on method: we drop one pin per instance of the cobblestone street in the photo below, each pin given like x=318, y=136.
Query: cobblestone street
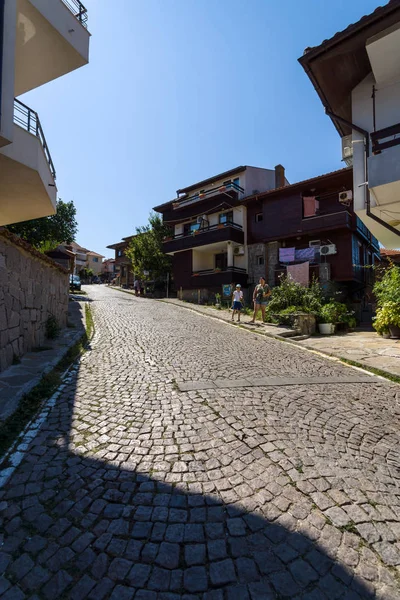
x=134, y=488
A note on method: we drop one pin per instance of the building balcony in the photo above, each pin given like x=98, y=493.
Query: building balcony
x=231, y=190
x=51, y=40
x=217, y=277
x=210, y=235
x=325, y=222
x=27, y=173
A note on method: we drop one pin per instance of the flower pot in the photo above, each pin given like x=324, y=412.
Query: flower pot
x=326, y=328
x=394, y=331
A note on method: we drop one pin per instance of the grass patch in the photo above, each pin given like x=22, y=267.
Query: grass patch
x=385, y=374
x=31, y=403
x=350, y=527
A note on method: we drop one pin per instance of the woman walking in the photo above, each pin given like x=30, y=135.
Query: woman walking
x=260, y=299
x=237, y=298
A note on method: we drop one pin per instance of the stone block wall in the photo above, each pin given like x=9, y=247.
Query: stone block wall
x=32, y=287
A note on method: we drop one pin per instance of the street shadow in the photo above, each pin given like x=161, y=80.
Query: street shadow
x=78, y=519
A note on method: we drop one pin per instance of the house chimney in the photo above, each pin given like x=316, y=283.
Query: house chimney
x=279, y=176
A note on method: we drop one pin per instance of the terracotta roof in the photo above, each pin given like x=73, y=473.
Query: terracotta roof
x=17, y=241
x=379, y=12
x=387, y=252
x=298, y=184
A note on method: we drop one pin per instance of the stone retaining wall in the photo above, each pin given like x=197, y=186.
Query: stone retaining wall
x=32, y=287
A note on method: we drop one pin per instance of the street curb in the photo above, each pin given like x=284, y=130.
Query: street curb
x=18, y=449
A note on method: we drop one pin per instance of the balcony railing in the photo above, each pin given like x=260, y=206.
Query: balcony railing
x=222, y=189
x=210, y=235
x=206, y=229
x=390, y=134
x=29, y=120
x=78, y=10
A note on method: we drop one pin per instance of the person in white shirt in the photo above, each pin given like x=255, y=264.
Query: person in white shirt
x=237, y=298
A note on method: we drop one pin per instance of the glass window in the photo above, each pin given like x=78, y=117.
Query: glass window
x=260, y=260
x=259, y=217
x=225, y=218
x=189, y=228
x=95, y=259
x=236, y=181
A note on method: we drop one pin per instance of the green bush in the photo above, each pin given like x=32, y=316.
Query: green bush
x=387, y=315
x=52, y=328
x=388, y=288
x=335, y=312
x=294, y=297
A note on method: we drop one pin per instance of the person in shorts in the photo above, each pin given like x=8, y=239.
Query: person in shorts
x=237, y=298
x=260, y=298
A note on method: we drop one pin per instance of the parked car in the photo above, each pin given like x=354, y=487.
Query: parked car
x=96, y=279
x=75, y=283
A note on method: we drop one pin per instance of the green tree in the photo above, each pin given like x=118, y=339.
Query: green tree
x=145, y=250
x=48, y=232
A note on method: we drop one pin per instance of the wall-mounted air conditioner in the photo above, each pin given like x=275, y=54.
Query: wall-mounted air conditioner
x=238, y=251
x=347, y=150
x=314, y=243
x=346, y=197
x=328, y=249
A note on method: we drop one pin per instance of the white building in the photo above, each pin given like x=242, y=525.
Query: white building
x=40, y=40
x=356, y=74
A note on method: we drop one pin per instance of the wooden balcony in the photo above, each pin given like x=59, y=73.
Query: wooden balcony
x=211, y=235
x=338, y=220
x=215, y=278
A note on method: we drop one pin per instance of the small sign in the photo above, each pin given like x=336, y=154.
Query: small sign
x=226, y=290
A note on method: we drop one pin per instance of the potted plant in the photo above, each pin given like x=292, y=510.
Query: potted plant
x=387, y=292
x=217, y=270
x=387, y=320
x=330, y=314
x=218, y=300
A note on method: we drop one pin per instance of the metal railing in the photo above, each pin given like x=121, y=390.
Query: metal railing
x=29, y=120
x=390, y=134
x=218, y=270
x=221, y=189
x=205, y=229
x=78, y=10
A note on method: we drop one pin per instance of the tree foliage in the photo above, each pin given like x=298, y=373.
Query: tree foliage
x=145, y=250
x=48, y=232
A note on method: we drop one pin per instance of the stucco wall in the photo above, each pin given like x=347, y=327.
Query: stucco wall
x=31, y=289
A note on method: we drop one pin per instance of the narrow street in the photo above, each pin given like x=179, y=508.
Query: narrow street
x=170, y=468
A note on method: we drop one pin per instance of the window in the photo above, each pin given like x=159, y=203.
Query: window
x=120, y=252
x=236, y=181
x=95, y=259
x=259, y=217
x=189, y=228
x=221, y=261
x=259, y=260
x=225, y=218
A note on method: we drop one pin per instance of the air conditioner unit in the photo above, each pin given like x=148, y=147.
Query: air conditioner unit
x=314, y=243
x=346, y=197
x=347, y=150
x=238, y=251
x=328, y=249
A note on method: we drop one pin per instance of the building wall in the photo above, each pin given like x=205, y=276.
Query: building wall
x=92, y=264
x=31, y=289
x=258, y=180
x=256, y=271
x=7, y=56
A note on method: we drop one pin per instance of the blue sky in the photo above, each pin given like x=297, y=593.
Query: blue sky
x=180, y=90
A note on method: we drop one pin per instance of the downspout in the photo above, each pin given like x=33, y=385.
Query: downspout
x=2, y=9
x=366, y=138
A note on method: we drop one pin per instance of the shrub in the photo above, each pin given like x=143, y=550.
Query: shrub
x=294, y=296
x=334, y=312
x=52, y=328
x=388, y=288
x=386, y=316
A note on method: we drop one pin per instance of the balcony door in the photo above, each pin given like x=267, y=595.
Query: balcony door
x=221, y=261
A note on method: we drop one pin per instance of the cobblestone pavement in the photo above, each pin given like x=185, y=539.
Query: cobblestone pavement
x=134, y=489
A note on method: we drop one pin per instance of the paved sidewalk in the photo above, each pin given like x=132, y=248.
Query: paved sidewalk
x=20, y=379
x=364, y=347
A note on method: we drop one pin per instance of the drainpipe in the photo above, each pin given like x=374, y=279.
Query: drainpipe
x=366, y=138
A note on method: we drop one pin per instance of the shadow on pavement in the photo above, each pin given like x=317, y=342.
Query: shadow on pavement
x=76, y=526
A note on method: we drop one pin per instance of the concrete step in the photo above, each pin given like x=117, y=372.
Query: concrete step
x=299, y=338
x=290, y=333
